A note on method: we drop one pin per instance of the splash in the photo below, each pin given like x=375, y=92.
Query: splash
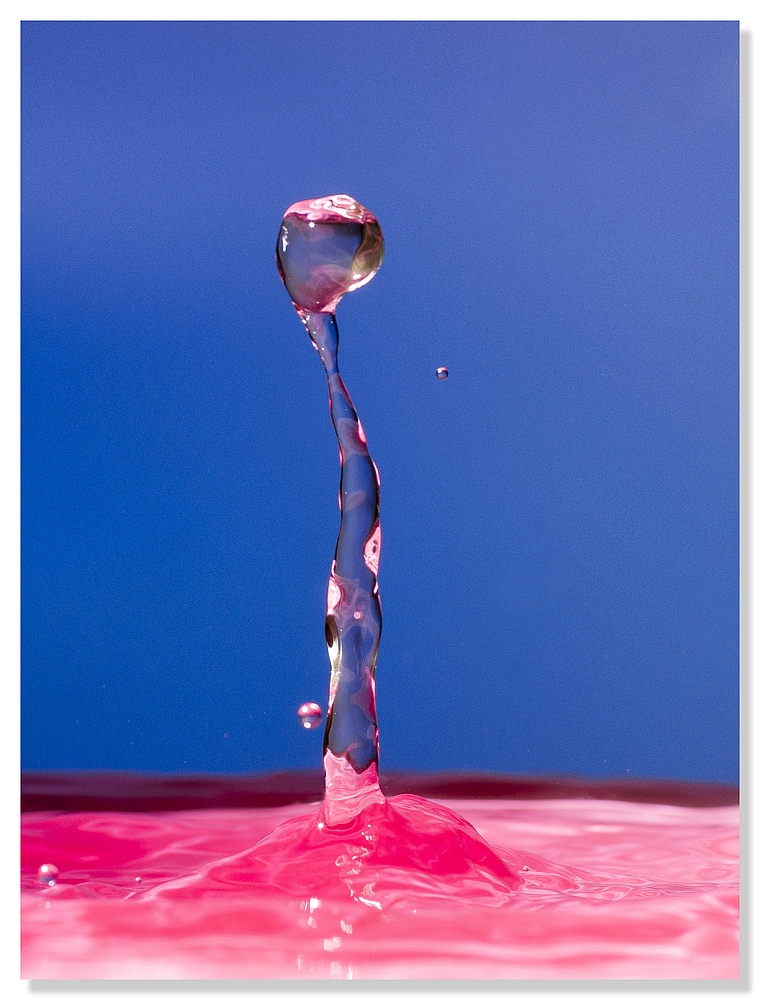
x=359, y=848
x=362, y=886
x=327, y=247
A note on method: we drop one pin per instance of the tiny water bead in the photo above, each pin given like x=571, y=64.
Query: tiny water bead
x=442, y=373
x=310, y=715
x=48, y=874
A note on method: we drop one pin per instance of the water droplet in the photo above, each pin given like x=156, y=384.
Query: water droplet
x=48, y=874
x=526, y=868
x=442, y=373
x=327, y=247
x=310, y=715
x=138, y=878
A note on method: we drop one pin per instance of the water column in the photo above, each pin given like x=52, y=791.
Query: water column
x=327, y=247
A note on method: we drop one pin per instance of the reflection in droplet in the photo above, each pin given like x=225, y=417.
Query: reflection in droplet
x=442, y=373
x=310, y=715
x=48, y=874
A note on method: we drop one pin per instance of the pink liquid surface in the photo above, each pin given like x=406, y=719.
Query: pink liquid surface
x=600, y=890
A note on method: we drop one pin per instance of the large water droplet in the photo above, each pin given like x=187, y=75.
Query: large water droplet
x=48, y=874
x=327, y=247
x=310, y=715
x=442, y=372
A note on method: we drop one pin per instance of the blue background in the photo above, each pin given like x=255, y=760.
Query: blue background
x=560, y=564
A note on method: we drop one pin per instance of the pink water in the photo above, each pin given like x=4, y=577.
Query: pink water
x=630, y=891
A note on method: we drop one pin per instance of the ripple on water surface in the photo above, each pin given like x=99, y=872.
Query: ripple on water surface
x=632, y=890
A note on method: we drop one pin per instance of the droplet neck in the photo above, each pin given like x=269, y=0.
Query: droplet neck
x=323, y=332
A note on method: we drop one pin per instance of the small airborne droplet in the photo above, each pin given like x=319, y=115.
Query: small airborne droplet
x=442, y=373
x=310, y=715
x=48, y=874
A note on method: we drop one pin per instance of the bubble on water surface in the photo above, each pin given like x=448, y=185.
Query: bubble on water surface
x=442, y=373
x=310, y=715
x=48, y=874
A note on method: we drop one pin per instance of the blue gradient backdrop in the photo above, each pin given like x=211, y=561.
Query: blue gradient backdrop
x=560, y=566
